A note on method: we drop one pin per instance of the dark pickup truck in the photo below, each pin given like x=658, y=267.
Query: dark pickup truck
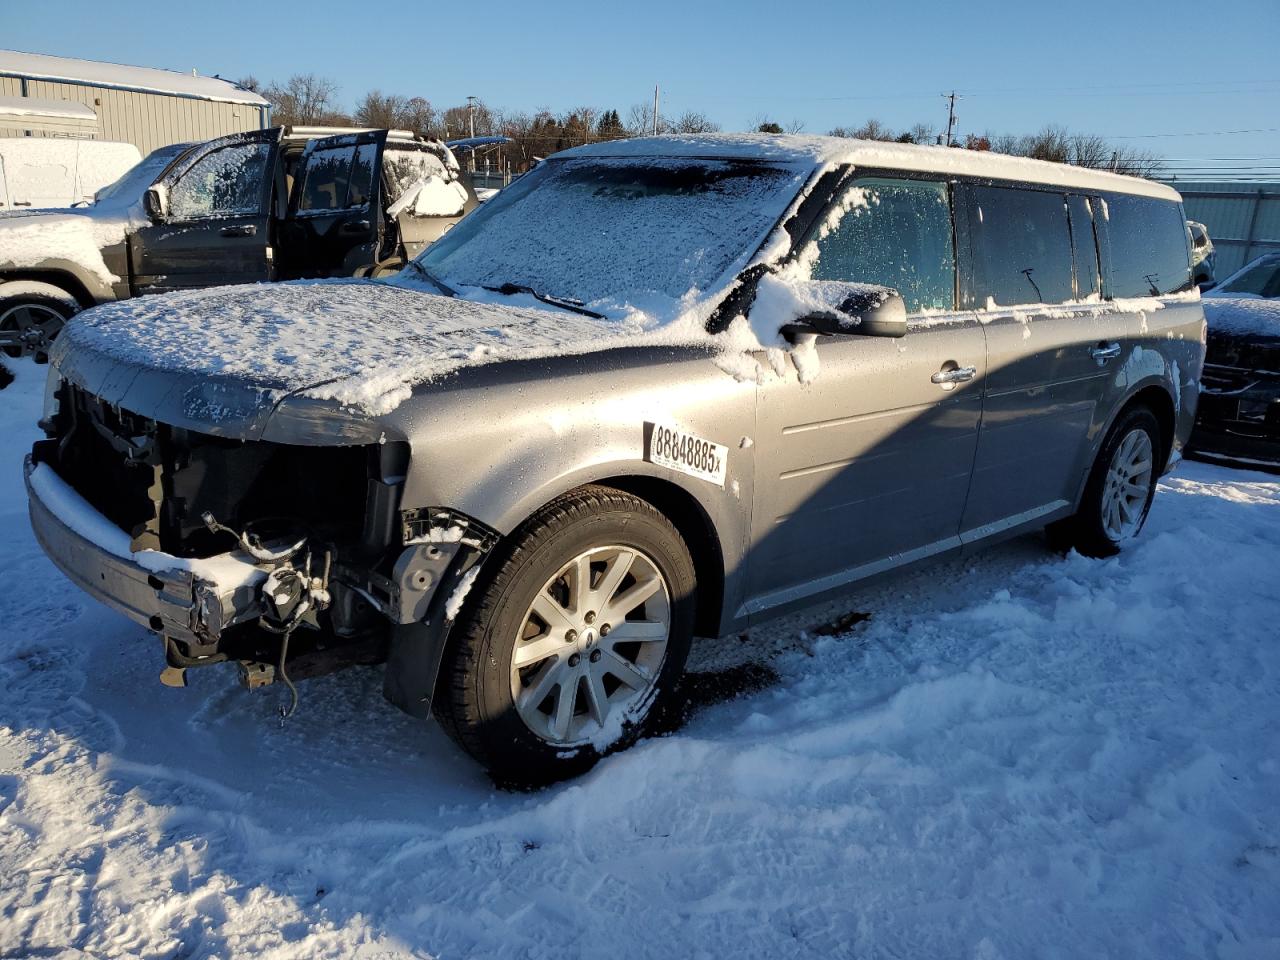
x=276, y=204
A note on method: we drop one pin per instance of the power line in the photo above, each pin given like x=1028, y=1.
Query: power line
x=1197, y=133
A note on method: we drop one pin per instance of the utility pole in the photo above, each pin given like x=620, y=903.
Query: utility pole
x=951, y=113
x=655, y=109
x=471, y=125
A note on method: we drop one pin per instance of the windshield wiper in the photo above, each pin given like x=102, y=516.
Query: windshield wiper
x=507, y=289
x=447, y=290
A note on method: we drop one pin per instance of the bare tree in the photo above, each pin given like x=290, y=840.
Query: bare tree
x=873, y=129
x=305, y=99
x=693, y=122
x=392, y=111
x=380, y=110
x=640, y=120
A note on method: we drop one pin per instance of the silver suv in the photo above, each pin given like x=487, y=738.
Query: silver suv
x=654, y=390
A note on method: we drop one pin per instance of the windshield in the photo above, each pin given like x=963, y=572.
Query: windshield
x=130, y=187
x=627, y=233
x=1261, y=280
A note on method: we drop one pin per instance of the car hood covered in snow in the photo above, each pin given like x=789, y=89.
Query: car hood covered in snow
x=1252, y=318
x=221, y=360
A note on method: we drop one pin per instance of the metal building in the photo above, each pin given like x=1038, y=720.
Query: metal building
x=140, y=105
x=1243, y=218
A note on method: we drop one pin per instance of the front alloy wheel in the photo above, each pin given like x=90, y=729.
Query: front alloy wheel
x=592, y=644
x=572, y=641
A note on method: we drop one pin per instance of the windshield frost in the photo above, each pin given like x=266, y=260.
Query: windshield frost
x=129, y=188
x=624, y=233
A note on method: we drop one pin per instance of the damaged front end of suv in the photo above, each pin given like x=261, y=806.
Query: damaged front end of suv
x=239, y=527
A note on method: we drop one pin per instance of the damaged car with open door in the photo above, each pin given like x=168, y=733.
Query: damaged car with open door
x=276, y=204
x=654, y=389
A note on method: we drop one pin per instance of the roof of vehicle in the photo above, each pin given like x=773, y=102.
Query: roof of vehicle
x=124, y=77
x=39, y=106
x=821, y=151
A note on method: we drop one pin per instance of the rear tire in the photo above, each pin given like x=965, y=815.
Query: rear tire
x=554, y=662
x=1121, y=486
x=32, y=314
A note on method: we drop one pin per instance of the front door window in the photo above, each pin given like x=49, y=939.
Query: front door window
x=225, y=183
x=893, y=233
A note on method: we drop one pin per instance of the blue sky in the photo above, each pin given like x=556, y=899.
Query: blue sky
x=1118, y=68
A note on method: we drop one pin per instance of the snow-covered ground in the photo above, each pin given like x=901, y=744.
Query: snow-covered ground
x=1017, y=756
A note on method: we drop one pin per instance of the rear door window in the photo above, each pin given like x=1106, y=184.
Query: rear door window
x=1021, y=247
x=362, y=170
x=328, y=174
x=895, y=233
x=1150, y=253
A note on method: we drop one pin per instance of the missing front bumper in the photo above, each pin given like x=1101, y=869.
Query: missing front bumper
x=192, y=601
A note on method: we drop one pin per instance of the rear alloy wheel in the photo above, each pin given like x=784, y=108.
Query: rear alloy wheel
x=1121, y=486
x=572, y=642
x=1127, y=488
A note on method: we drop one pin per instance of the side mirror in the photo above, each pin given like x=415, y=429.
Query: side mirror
x=830, y=307
x=870, y=312
x=155, y=203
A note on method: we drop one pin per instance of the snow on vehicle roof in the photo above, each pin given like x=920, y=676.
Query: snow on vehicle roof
x=1243, y=316
x=831, y=151
x=124, y=77
x=41, y=107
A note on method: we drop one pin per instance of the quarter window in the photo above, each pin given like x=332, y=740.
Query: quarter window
x=1150, y=256
x=1021, y=245
x=895, y=233
x=227, y=182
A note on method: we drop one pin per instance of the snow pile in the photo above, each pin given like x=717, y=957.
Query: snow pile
x=44, y=239
x=1243, y=316
x=1017, y=756
x=430, y=196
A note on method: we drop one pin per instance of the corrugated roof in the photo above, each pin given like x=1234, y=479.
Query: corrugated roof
x=40, y=66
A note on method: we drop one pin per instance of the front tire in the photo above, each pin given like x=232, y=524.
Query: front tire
x=1121, y=486
x=574, y=642
x=32, y=314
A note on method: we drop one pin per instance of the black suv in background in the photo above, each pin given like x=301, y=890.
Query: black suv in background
x=276, y=204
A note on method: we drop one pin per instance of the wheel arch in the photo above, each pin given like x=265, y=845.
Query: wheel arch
x=62, y=280
x=1156, y=397
x=690, y=516
x=699, y=534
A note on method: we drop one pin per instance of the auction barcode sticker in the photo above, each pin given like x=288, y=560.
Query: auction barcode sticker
x=673, y=448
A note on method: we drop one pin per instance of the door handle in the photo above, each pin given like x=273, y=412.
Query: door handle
x=1104, y=352
x=355, y=226
x=242, y=230
x=954, y=375
x=22, y=203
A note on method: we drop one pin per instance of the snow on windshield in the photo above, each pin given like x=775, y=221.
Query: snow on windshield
x=129, y=188
x=623, y=236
